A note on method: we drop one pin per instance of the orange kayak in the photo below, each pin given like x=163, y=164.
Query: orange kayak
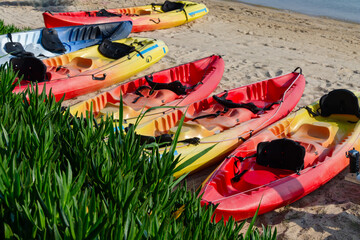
x=144, y=18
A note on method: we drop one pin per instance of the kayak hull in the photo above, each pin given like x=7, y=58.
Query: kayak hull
x=325, y=140
x=73, y=38
x=223, y=130
x=87, y=70
x=144, y=18
x=204, y=74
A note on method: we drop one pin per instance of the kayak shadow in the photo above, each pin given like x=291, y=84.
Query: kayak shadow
x=330, y=212
x=318, y=224
x=195, y=180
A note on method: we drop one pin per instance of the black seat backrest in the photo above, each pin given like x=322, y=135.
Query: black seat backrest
x=114, y=50
x=170, y=6
x=339, y=101
x=51, y=42
x=14, y=48
x=230, y=104
x=281, y=153
x=174, y=86
x=105, y=13
x=29, y=67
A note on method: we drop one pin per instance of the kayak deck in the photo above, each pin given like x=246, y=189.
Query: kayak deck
x=242, y=180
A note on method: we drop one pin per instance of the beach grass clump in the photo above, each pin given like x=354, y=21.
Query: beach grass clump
x=63, y=177
x=66, y=177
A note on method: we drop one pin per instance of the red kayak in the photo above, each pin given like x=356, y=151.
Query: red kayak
x=287, y=160
x=226, y=119
x=177, y=86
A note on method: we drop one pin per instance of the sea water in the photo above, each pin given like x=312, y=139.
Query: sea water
x=348, y=10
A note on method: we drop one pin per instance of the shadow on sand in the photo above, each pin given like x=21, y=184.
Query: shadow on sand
x=332, y=211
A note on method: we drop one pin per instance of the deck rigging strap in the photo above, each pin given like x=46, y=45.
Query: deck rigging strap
x=228, y=104
x=105, y=13
x=192, y=88
x=238, y=174
x=311, y=112
x=176, y=86
x=164, y=139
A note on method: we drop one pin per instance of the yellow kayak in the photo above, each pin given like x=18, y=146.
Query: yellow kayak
x=89, y=69
x=144, y=18
x=225, y=120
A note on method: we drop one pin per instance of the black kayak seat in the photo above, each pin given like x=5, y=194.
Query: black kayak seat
x=105, y=13
x=339, y=101
x=14, y=48
x=281, y=153
x=51, y=42
x=171, y=6
x=29, y=68
x=114, y=50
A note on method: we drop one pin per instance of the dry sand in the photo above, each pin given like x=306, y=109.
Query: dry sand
x=258, y=43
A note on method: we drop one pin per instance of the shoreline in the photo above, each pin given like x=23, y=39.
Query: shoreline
x=258, y=43
x=294, y=11
x=92, y=4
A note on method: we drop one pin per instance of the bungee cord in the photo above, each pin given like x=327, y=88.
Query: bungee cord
x=176, y=106
x=106, y=66
x=304, y=171
x=242, y=136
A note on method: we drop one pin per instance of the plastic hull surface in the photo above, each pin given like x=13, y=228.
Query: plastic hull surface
x=73, y=38
x=224, y=128
x=325, y=139
x=199, y=77
x=87, y=70
x=144, y=18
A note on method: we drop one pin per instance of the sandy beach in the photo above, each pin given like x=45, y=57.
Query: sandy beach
x=257, y=43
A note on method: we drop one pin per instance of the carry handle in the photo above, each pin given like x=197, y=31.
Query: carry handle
x=152, y=20
x=99, y=78
x=298, y=69
x=47, y=11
